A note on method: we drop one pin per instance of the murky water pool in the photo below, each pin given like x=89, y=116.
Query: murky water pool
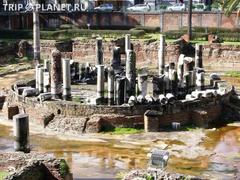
x=106, y=160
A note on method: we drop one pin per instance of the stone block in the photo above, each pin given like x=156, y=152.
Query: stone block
x=200, y=118
x=151, y=121
x=2, y=100
x=11, y=111
x=94, y=125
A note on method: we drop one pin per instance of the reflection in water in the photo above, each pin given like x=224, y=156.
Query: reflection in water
x=91, y=159
x=86, y=159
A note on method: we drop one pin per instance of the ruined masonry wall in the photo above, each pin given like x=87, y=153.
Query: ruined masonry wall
x=114, y=116
x=215, y=57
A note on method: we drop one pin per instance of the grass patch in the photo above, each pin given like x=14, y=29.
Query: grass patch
x=3, y=174
x=121, y=131
x=190, y=128
x=233, y=74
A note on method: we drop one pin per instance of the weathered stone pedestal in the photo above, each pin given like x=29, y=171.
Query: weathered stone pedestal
x=10, y=111
x=21, y=132
x=151, y=121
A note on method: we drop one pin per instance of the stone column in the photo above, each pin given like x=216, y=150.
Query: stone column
x=180, y=70
x=198, y=56
x=127, y=42
x=173, y=78
x=77, y=72
x=66, y=79
x=36, y=34
x=200, y=80
x=56, y=75
x=46, y=81
x=131, y=73
x=40, y=80
x=110, y=86
x=158, y=86
x=21, y=132
x=99, y=51
x=36, y=76
x=100, y=83
x=161, y=55
x=142, y=84
x=81, y=72
x=167, y=80
x=116, y=61
x=47, y=65
x=188, y=68
x=120, y=84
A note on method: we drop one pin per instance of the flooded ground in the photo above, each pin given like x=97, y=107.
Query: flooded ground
x=109, y=158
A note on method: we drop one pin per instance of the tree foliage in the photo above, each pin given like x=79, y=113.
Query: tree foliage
x=231, y=5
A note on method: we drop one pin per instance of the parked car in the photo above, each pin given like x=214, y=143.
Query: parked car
x=199, y=7
x=177, y=7
x=104, y=7
x=139, y=8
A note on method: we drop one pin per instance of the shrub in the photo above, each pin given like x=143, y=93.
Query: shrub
x=163, y=6
x=199, y=34
x=67, y=33
x=148, y=29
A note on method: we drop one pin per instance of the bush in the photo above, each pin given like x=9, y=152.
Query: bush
x=67, y=33
x=212, y=29
x=148, y=29
x=67, y=26
x=226, y=36
x=163, y=6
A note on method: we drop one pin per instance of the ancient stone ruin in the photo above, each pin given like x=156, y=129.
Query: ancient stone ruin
x=180, y=94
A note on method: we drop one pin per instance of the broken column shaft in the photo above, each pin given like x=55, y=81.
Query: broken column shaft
x=46, y=81
x=36, y=76
x=116, y=61
x=40, y=79
x=142, y=84
x=180, y=70
x=47, y=65
x=198, y=56
x=120, y=90
x=99, y=51
x=66, y=79
x=100, y=83
x=21, y=132
x=161, y=55
x=56, y=75
x=110, y=86
x=200, y=80
x=131, y=73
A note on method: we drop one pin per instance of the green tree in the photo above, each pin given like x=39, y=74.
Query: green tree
x=230, y=5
